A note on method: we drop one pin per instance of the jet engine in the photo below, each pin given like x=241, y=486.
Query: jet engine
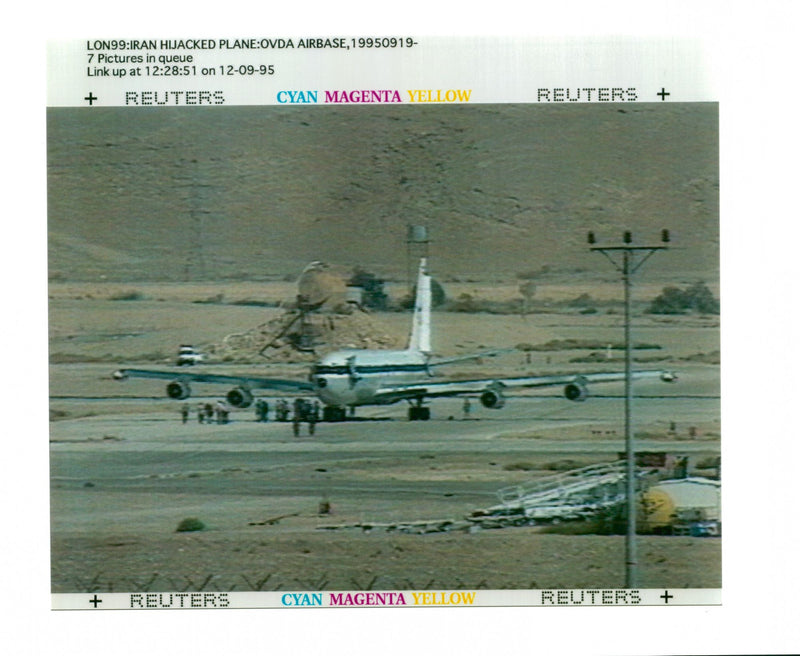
x=239, y=397
x=178, y=389
x=493, y=398
x=576, y=391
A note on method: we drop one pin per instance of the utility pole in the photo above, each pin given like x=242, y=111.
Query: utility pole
x=628, y=259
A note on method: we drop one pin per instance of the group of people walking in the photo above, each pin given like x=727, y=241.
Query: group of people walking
x=218, y=413
x=301, y=411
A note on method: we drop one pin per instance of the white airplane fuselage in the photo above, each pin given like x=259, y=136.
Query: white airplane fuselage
x=352, y=377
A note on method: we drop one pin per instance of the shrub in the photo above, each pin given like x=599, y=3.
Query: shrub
x=131, y=295
x=673, y=300
x=584, y=300
x=438, y=296
x=374, y=297
x=519, y=466
x=212, y=300
x=464, y=303
x=190, y=524
x=468, y=303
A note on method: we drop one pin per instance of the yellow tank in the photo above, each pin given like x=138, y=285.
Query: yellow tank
x=673, y=501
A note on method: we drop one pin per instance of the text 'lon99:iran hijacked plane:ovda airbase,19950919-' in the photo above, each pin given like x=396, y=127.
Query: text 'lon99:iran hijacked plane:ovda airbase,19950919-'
x=354, y=377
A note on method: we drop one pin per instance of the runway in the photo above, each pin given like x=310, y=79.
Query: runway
x=155, y=452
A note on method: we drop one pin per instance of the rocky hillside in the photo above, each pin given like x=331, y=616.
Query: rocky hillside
x=258, y=192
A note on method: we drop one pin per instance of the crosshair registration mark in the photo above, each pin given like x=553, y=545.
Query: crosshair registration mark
x=663, y=93
x=667, y=596
x=91, y=98
x=94, y=601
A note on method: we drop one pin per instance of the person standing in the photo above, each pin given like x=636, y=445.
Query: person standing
x=313, y=417
x=219, y=409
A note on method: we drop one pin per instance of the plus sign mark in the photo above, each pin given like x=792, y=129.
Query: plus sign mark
x=663, y=94
x=667, y=596
x=95, y=601
x=91, y=98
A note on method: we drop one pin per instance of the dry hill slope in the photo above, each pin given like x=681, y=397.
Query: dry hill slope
x=257, y=192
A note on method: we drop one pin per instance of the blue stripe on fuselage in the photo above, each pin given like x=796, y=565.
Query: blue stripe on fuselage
x=323, y=370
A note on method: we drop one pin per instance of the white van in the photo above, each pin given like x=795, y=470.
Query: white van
x=188, y=355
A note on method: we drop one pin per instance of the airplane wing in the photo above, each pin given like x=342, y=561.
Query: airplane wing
x=491, y=389
x=473, y=356
x=253, y=382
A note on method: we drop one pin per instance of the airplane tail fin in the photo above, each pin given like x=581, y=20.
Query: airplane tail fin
x=420, y=339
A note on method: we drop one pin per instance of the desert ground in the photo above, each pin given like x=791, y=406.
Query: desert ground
x=125, y=471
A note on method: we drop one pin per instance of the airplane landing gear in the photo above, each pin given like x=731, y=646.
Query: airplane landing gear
x=419, y=413
x=333, y=413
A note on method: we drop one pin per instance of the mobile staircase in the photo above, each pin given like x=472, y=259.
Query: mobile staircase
x=576, y=494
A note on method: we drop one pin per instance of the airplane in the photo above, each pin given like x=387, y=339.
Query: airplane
x=357, y=377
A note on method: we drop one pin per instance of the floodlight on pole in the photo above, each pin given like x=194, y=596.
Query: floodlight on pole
x=628, y=259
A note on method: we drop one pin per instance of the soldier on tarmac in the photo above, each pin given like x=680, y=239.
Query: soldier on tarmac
x=304, y=411
x=298, y=415
x=262, y=410
x=281, y=410
x=222, y=412
x=313, y=417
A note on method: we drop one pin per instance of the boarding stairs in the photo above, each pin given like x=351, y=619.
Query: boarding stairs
x=575, y=494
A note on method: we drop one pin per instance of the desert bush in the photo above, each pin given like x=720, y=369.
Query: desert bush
x=190, y=524
x=468, y=303
x=519, y=466
x=464, y=303
x=584, y=300
x=211, y=300
x=438, y=296
x=673, y=300
x=129, y=295
x=374, y=297
x=252, y=302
